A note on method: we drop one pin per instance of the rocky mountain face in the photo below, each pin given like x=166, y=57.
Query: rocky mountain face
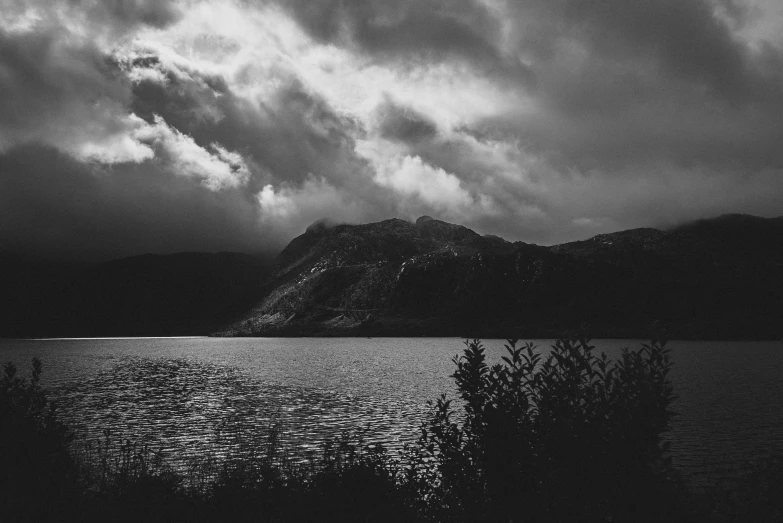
x=720, y=278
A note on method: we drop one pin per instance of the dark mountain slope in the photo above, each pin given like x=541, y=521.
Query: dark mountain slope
x=149, y=295
x=720, y=278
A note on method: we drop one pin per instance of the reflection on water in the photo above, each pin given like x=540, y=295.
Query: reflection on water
x=182, y=395
x=185, y=408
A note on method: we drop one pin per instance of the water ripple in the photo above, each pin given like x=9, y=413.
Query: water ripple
x=188, y=408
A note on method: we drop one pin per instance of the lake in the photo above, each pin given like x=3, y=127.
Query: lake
x=178, y=394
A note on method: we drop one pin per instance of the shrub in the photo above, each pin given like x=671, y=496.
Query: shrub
x=36, y=470
x=356, y=482
x=754, y=494
x=572, y=437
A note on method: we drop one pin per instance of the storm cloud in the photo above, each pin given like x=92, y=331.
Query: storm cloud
x=132, y=126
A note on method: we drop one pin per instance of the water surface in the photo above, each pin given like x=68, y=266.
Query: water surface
x=181, y=394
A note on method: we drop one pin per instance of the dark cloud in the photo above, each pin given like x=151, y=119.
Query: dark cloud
x=189, y=102
x=404, y=124
x=289, y=136
x=62, y=92
x=627, y=83
x=322, y=224
x=129, y=13
x=576, y=131
x=684, y=38
x=54, y=89
x=53, y=206
x=653, y=79
x=596, y=116
x=114, y=18
x=736, y=13
x=60, y=85
x=690, y=39
x=411, y=32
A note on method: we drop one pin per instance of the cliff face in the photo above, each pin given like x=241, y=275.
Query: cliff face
x=720, y=278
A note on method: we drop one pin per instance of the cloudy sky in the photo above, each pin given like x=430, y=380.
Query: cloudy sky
x=131, y=126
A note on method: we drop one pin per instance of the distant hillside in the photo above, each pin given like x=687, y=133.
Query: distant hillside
x=149, y=295
x=720, y=278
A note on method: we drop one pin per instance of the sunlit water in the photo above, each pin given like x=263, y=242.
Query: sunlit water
x=180, y=394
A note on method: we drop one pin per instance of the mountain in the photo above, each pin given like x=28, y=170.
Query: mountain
x=720, y=278
x=148, y=295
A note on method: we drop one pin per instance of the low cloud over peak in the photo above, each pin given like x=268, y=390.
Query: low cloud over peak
x=226, y=125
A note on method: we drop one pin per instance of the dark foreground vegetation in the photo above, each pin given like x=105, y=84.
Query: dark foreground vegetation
x=572, y=437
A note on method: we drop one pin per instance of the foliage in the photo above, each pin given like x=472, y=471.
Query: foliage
x=35, y=466
x=755, y=494
x=356, y=482
x=572, y=437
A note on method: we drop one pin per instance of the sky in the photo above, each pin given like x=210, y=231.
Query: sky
x=134, y=126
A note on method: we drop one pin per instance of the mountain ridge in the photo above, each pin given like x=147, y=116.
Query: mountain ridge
x=719, y=278
x=714, y=278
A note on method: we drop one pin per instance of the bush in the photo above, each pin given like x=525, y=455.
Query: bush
x=356, y=482
x=570, y=438
x=36, y=470
x=754, y=494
